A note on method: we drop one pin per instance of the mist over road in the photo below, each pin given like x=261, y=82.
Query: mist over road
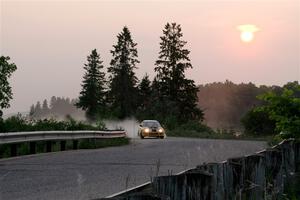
x=88, y=174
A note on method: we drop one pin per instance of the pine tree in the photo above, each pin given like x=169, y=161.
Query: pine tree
x=38, y=110
x=92, y=96
x=52, y=102
x=45, y=108
x=31, y=111
x=170, y=67
x=144, y=92
x=123, y=91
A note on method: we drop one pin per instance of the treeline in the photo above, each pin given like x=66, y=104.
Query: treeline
x=225, y=104
x=58, y=107
x=169, y=97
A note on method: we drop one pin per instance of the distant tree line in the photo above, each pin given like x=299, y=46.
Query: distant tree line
x=56, y=108
x=263, y=110
x=225, y=104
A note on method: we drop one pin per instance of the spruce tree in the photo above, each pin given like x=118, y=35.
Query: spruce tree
x=144, y=92
x=45, y=108
x=31, y=111
x=123, y=90
x=92, y=96
x=174, y=87
x=37, y=110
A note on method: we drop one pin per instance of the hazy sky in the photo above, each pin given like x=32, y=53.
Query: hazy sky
x=49, y=41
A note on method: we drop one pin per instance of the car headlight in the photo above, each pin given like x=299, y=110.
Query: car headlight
x=160, y=130
x=146, y=130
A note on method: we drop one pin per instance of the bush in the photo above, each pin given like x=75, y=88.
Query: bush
x=19, y=123
x=284, y=109
x=15, y=123
x=257, y=122
x=191, y=129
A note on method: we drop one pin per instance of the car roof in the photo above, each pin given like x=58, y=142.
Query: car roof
x=149, y=120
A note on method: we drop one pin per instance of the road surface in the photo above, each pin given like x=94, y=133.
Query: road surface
x=89, y=174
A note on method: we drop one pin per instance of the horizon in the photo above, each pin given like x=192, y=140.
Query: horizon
x=52, y=47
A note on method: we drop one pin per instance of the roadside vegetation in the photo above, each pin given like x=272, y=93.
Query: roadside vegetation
x=19, y=123
x=279, y=114
x=197, y=130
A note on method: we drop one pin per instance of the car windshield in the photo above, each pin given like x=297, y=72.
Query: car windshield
x=151, y=124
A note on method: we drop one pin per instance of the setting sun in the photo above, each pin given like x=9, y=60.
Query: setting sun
x=247, y=32
x=247, y=36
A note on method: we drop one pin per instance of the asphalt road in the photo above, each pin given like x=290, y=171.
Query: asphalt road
x=88, y=174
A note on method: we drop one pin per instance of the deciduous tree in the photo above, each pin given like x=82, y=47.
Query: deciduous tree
x=6, y=70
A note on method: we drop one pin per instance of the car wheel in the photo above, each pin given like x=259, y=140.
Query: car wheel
x=161, y=137
x=142, y=137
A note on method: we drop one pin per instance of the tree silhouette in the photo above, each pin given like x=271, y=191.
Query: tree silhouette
x=144, y=92
x=45, y=108
x=174, y=87
x=123, y=93
x=38, y=110
x=92, y=95
x=31, y=111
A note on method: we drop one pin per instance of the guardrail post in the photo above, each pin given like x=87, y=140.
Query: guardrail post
x=75, y=144
x=32, y=147
x=48, y=146
x=13, y=150
x=62, y=145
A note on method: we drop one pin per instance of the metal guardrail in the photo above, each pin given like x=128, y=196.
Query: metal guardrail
x=17, y=137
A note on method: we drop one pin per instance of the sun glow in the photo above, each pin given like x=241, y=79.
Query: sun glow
x=247, y=32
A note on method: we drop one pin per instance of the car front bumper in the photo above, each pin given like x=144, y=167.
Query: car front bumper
x=153, y=134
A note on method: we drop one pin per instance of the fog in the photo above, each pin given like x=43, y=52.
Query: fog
x=130, y=125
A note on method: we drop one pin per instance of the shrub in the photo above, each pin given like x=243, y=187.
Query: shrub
x=19, y=123
x=257, y=122
x=192, y=129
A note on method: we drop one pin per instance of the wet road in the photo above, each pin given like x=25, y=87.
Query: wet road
x=88, y=174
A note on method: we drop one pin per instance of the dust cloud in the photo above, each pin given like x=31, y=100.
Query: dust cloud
x=129, y=125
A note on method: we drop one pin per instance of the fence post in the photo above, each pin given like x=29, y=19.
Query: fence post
x=62, y=145
x=13, y=150
x=32, y=147
x=48, y=146
x=75, y=144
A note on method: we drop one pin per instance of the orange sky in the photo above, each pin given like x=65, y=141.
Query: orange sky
x=49, y=40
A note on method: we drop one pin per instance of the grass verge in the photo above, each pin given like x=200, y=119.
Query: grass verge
x=210, y=135
x=197, y=130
